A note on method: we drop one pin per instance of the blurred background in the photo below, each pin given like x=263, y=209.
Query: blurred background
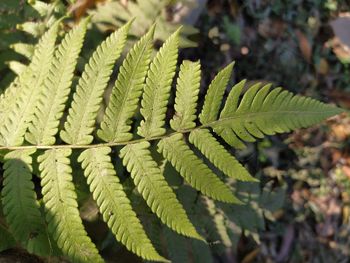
x=299, y=211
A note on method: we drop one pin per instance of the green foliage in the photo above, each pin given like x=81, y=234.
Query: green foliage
x=21, y=25
x=61, y=207
x=193, y=169
x=127, y=91
x=218, y=155
x=30, y=84
x=113, y=203
x=56, y=88
x=151, y=184
x=187, y=90
x=7, y=240
x=20, y=205
x=33, y=107
x=157, y=89
x=113, y=14
x=87, y=99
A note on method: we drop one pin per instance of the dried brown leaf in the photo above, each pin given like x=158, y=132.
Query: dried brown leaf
x=304, y=45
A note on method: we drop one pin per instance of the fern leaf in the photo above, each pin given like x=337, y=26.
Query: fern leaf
x=16, y=67
x=233, y=99
x=214, y=95
x=155, y=190
x=14, y=126
x=24, y=49
x=229, y=137
x=20, y=205
x=35, y=29
x=113, y=203
x=229, y=108
x=187, y=90
x=157, y=90
x=56, y=89
x=8, y=99
x=217, y=154
x=41, y=7
x=268, y=112
x=124, y=100
x=32, y=108
x=7, y=241
x=193, y=170
x=88, y=97
x=61, y=207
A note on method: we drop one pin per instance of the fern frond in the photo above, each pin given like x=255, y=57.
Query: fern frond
x=20, y=205
x=113, y=203
x=111, y=14
x=187, y=90
x=193, y=170
x=229, y=108
x=16, y=67
x=24, y=49
x=157, y=89
x=214, y=96
x=218, y=155
x=56, y=89
x=88, y=97
x=8, y=100
x=36, y=29
x=7, y=241
x=35, y=101
x=268, y=112
x=41, y=7
x=14, y=126
x=61, y=207
x=155, y=190
x=124, y=100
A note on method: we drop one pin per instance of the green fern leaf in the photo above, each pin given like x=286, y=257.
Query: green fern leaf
x=214, y=95
x=17, y=67
x=124, y=100
x=20, y=205
x=36, y=29
x=88, y=97
x=229, y=108
x=24, y=49
x=56, y=89
x=61, y=207
x=194, y=171
x=157, y=89
x=113, y=203
x=268, y=112
x=41, y=7
x=217, y=154
x=113, y=13
x=187, y=90
x=155, y=190
x=35, y=101
x=16, y=122
x=8, y=99
x=7, y=241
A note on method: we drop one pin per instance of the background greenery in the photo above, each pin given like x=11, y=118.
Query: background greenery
x=299, y=212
